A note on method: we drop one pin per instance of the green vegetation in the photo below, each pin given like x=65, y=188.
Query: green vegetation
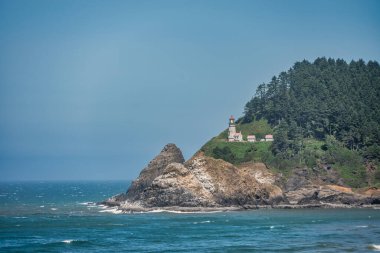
x=259, y=128
x=315, y=100
x=324, y=114
x=237, y=152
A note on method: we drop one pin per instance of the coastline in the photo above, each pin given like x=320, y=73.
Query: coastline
x=205, y=184
x=181, y=209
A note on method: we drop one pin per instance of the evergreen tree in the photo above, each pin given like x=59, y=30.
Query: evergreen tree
x=319, y=99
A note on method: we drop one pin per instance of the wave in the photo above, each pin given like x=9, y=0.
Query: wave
x=202, y=222
x=277, y=226
x=375, y=247
x=114, y=210
x=179, y=212
x=87, y=203
x=111, y=210
x=72, y=241
x=362, y=226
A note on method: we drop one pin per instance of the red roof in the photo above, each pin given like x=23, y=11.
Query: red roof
x=268, y=136
x=232, y=117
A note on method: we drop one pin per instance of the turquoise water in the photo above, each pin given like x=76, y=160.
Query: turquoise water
x=59, y=217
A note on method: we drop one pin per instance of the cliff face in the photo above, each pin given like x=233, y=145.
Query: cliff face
x=204, y=182
x=169, y=154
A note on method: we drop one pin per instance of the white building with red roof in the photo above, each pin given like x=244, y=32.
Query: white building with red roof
x=269, y=137
x=251, y=138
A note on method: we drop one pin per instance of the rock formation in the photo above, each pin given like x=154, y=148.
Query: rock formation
x=205, y=183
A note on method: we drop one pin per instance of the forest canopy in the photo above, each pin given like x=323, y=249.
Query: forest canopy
x=324, y=99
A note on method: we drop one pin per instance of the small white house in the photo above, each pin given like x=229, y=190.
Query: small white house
x=251, y=138
x=269, y=137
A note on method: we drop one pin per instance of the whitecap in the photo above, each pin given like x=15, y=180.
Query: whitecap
x=86, y=203
x=362, y=226
x=42, y=206
x=375, y=247
x=271, y=227
x=53, y=208
x=200, y=222
x=67, y=241
x=20, y=217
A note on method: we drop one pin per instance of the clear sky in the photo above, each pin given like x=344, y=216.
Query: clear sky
x=95, y=89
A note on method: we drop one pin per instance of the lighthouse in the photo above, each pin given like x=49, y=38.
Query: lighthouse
x=233, y=136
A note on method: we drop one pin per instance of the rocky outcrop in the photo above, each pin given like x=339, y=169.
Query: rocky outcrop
x=169, y=154
x=168, y=182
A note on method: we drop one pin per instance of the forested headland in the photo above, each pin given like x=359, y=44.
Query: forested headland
x=325, y=115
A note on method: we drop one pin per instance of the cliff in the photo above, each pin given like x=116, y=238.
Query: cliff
x=206, y=183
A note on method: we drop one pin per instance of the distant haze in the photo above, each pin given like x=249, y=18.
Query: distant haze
x=95, y=89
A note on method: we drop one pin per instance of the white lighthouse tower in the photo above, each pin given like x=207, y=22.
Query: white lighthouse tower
x=232, y=134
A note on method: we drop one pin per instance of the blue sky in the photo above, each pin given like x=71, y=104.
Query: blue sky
x=95, y=89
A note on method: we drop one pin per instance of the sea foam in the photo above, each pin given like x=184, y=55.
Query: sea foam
x=180, y=212
x=111, y=210
x=202, y=222
x=375, y=247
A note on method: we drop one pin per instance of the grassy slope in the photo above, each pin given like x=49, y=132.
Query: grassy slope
x=254, y=151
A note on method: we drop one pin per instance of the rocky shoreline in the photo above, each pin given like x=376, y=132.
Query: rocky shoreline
x=205, y=184
x=180, y=209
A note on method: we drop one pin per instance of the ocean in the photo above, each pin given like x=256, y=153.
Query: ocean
x=63, y=217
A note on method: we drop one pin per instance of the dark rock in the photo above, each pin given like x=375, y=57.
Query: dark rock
x=299, y=178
